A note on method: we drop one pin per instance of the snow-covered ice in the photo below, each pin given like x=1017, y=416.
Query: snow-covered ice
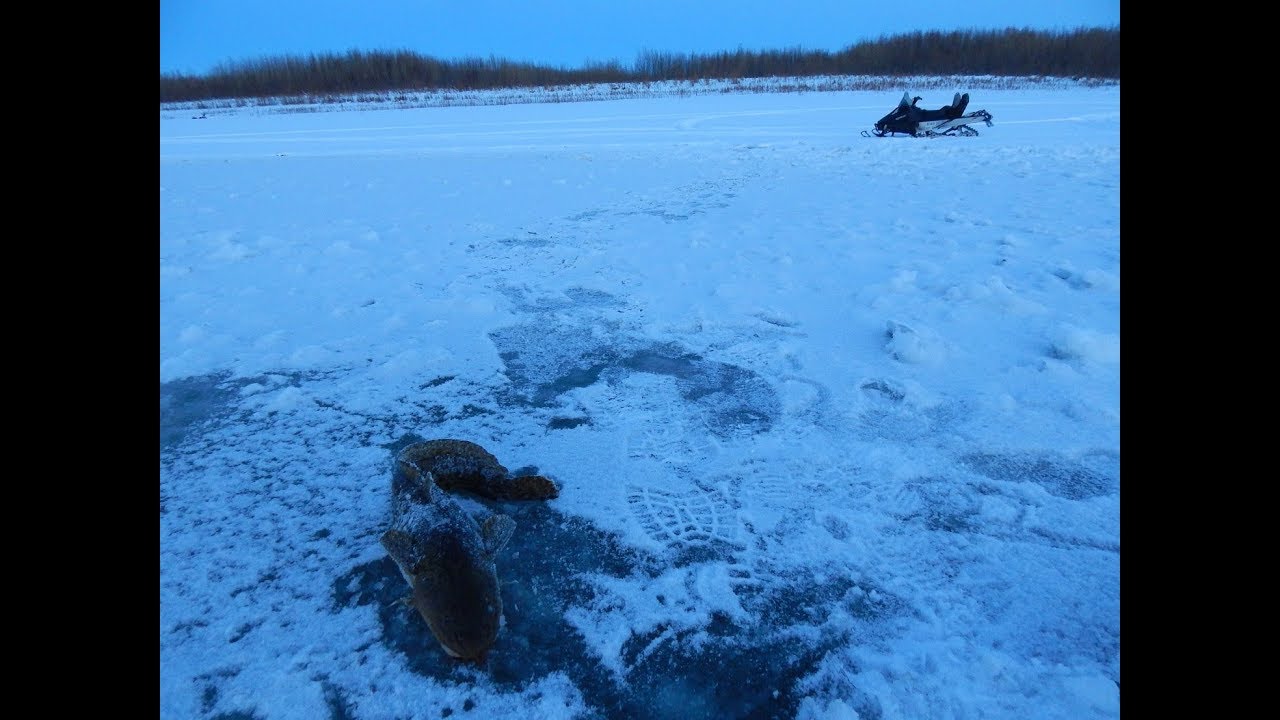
x=836, y=420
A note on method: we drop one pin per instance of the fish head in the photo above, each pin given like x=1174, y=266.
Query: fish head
x=455, y=589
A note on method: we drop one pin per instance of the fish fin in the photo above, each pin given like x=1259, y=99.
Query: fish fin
x=404, y=550
x=496, y=530
x=412, y=478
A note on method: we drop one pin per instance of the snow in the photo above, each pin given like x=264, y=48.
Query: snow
x=836, y=420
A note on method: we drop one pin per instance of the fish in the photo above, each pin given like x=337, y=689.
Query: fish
x=447, y=557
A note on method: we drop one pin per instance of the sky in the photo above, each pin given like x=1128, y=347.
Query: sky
x=835, y=419
x=197, y=35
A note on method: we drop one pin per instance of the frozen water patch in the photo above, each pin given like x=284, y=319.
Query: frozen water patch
x=730, y=399
x=939, y=504
x=188, y=402
x=546, y=361
x=200, y=402
x=1058, y=475
x=593, y=297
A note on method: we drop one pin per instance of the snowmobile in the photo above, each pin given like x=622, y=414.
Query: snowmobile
x=918, y=122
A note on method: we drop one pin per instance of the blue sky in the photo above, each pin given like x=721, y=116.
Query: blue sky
x=196, y=35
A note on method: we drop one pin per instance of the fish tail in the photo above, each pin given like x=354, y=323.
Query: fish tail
x=528, y=487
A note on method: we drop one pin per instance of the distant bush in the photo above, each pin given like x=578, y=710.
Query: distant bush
x=1086, y=53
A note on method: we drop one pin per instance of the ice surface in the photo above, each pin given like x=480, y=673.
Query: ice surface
x=835, y=419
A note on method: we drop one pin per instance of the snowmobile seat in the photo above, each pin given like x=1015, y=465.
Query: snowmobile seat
x=957, y=106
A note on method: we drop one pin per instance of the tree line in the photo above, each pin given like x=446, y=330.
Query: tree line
x=1092, y=53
